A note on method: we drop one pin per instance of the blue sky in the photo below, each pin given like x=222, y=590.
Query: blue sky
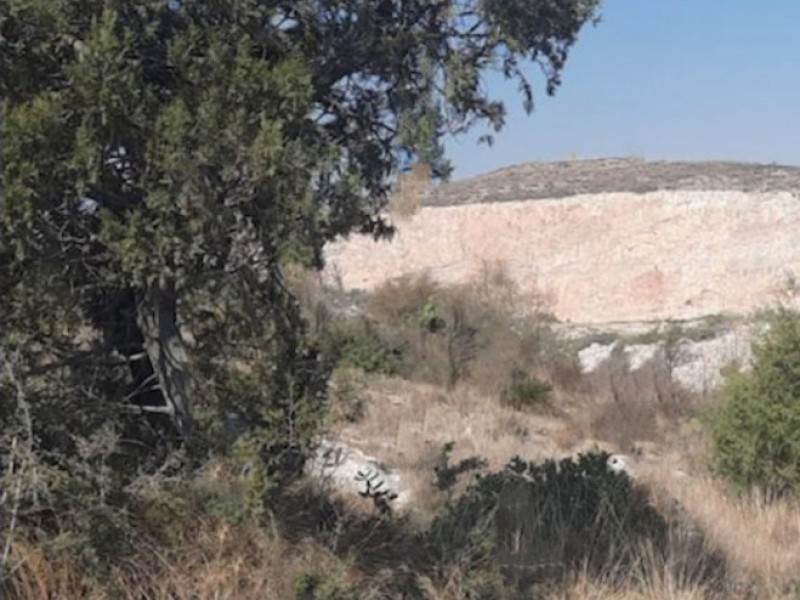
x=662, y=79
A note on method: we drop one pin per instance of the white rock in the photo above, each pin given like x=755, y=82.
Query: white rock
x=342, y=467
x=621, y=463
x=591, y=357
x=698, y=365
x=601, y=257
x=640, y=354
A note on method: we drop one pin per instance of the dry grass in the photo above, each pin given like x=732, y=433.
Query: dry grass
x=625, y=407
x=410, y=190
x=760, y=539
x=656, y=577
x=33, y=575
x=402, y=416
x=406, y=423
x=231, y=562
x=657, y=590
x=216, y=560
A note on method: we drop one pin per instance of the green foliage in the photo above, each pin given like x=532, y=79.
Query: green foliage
x=272, y=377
x=527, y=392
x=159, y=154
x=74, y=502
x=315, y=586
x=447, y=475
x=361, y=347
x=537, y=522
x=429, y=317
x=163, y=163
x=97, y=541
x=165, y=510
x=757, y=432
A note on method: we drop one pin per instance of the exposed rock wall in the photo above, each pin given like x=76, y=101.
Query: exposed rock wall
x=600, y=257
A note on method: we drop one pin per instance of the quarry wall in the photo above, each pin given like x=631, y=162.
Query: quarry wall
x=599, y=257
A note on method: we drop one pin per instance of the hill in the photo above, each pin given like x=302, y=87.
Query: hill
x=601, y=241
x=535, y=181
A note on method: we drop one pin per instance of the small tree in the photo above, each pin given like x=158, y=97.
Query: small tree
x=757, y=432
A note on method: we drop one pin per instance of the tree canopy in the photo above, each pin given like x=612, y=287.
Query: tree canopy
x=164, y=159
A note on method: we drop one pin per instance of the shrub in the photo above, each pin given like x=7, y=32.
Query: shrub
x=527, y=392
x=358, y=345
x=480, y=332
x=756, y=433
x=430, y=318
x=403, y=299
x=315, y=586
x=540, y=522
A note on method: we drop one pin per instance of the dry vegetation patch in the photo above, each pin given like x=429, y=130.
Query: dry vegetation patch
x=762, y=539
x=439, y=367
x=408, y=422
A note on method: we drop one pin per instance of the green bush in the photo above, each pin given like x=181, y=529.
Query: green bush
x=429, y=317
x=540, y=522
x=527, y=392
x=756, y=433
x=358, y=345
x=313, y=586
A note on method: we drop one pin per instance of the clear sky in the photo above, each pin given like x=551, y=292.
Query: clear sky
x=662, y=79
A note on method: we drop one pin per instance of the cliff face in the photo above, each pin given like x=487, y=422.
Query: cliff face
x=603, y=256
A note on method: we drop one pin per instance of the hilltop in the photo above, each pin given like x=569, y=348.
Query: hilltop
x=562, y=179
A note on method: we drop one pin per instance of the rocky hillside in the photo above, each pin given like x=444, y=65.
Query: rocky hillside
x=602, y=241
x=536, y=181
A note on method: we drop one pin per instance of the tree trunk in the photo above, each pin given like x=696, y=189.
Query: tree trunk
x=157, y=320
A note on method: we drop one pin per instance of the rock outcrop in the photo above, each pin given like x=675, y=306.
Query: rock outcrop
x=347, y=469
x=603, y=241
